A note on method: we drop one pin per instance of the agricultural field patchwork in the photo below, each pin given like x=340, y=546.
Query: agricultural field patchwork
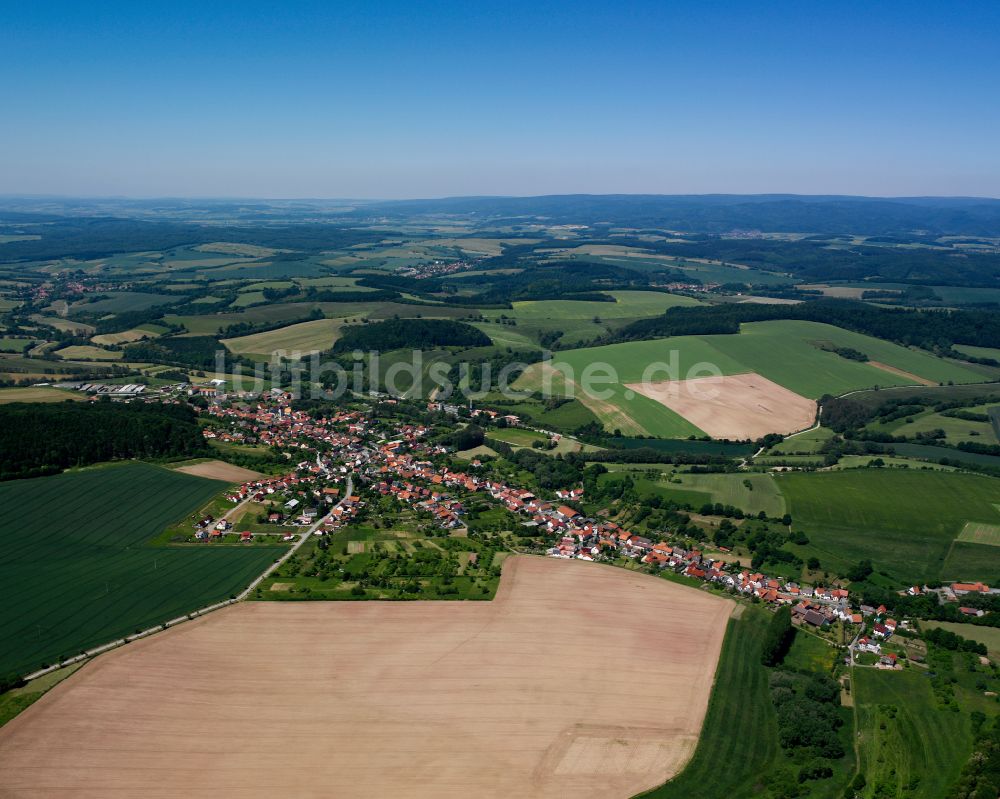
x=595, y=742
x=904, y=521
x=793, y=355
x=736, y=407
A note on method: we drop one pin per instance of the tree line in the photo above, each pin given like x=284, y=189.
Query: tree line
x=394, y=334
x=932, y=330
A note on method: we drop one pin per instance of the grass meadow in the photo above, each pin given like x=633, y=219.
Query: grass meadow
x=78, y=568
x=762, y=494
x=39, y=394
x=955, y=430
x=808, y=443
x=985, y=635
x=908, y=746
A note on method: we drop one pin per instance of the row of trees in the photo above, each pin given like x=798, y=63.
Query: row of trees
x=933, y=330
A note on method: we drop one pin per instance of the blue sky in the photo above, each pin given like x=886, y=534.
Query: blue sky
x=390, y=99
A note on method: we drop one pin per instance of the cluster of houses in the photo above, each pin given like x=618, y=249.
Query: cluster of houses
x=453, y=410
x=397, y=461
x=435, y=268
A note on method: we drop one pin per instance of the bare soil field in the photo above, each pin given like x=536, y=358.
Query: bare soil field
x=577, y=680
x=220, y=470
x=733, y=406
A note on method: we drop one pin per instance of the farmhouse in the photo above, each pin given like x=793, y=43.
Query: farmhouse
x=960, y=589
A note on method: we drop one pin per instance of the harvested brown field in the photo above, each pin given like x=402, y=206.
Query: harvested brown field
x=901, y=373
x=577, y=680
x=733, y=406
x=220, y=470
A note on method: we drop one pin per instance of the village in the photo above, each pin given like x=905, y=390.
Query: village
x=397, y=459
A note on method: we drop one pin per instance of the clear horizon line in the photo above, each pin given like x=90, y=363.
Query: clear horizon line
x=370, y=200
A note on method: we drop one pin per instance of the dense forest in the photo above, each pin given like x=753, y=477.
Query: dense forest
x=816, y=260
x=37, y=439
x=196, y=352
x=932, y=330
x=394, y=334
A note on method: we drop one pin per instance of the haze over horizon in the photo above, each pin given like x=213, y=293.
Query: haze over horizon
x=252, y=100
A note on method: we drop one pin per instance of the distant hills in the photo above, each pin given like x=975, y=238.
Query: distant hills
x=707, y=214
x=720, y=213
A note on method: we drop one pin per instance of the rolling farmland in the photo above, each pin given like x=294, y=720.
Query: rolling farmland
x=581, y=321
x=78, y=568
x=904, y=521
x=955, y=430
x=792, y=354
x=317, y=335
x=764, y=493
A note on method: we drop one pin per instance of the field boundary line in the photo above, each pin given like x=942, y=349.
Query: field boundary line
x=119, y=642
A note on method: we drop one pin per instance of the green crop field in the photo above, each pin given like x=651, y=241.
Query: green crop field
x=859, y=461
x=627, y=305
x=517, y=437
x=808, y=443
x=786, y=352
x=934, y=454
x=581, y=321
x=39, y=394
x=507, y=336
x=78, y=568
x=729, y=489
x=16, y=344
x=905, y=521
x=122, y=301
x=978, y=352
x=908, y=747
x=317, y=335
x=739, y=737
x=647, y=484
x=567, y=416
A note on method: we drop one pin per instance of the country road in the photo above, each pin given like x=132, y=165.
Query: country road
x=97, y=650
x=298, y=544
